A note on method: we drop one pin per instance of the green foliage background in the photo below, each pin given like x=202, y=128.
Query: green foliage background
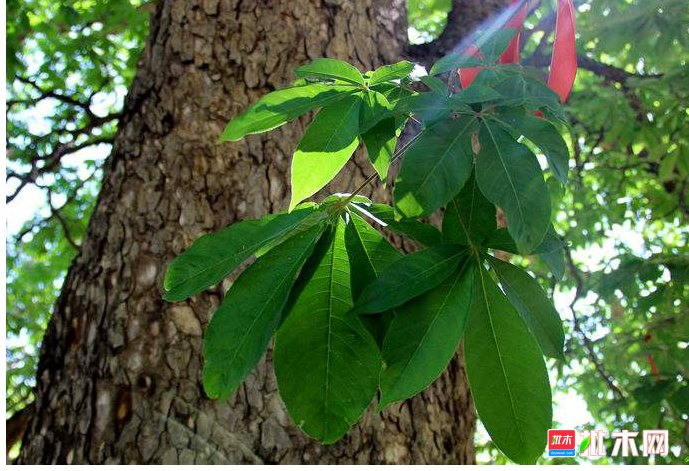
x=625, y=294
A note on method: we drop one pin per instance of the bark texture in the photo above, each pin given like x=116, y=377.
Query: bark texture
x=119, y=378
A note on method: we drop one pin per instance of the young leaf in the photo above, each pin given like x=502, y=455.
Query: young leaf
x=325, y=148
x=213, y=256
x=409, y=277
x=423, y=337
x=281, y=106
x=330, y=69
x=380, y=142
x=326, y=363
x=391, y=72
x=469, y=218
x=493, y=47
x=434, y=168
x=509, y=176
x=543, y=134
x=242, y=326
x=369, y=254
x=506, y=372
x=423, y=233
x=533, y=305
x=453, y=62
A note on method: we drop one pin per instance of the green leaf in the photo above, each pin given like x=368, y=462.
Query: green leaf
x=519, y=90
x=469, y=218
x=584, y=444
x=391, y=72
x=423, y=337
x=555, y=262
x=281, y=106
x=509, y=176
x=502, y=240
x=326, y=363
x=453, y=62
x=435, y=84
x=242, y=326
x=330, y=69
x=380, y=142
x=533, y=305
x=423, y=233
x=409, y=277
x=506, y=372
x=374, y=108
x=542, y=134
x=325, y=148
x=213, y=256
x=550, y=250
x=493, y=47
x=475, y=93
x=430, y=107
x=434, y=168
x=369, y=254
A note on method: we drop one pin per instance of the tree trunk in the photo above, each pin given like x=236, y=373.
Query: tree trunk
x=119, y=378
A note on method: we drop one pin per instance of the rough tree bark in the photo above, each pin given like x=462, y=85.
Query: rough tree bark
x=119, y=378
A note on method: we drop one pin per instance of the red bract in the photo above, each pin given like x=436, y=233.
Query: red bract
x=563, y=64
x=511, y=54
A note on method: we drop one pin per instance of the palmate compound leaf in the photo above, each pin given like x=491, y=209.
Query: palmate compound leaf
x=537, y=311
x=330, y=69
x=469, y=218
x=543, y=134
x=409, y=277
x=326, y=146
x=509, y=176
x=506, y=372
x=369, y=254
x=213, y=256
x=242, y=326
x=434, y=168
x=326, y=362
x=424, y=336
x=281, y=106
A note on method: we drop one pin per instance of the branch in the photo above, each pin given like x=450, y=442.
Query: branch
x=57, y=96
x=56, y=213
x=588, y=344
x=52, y=161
